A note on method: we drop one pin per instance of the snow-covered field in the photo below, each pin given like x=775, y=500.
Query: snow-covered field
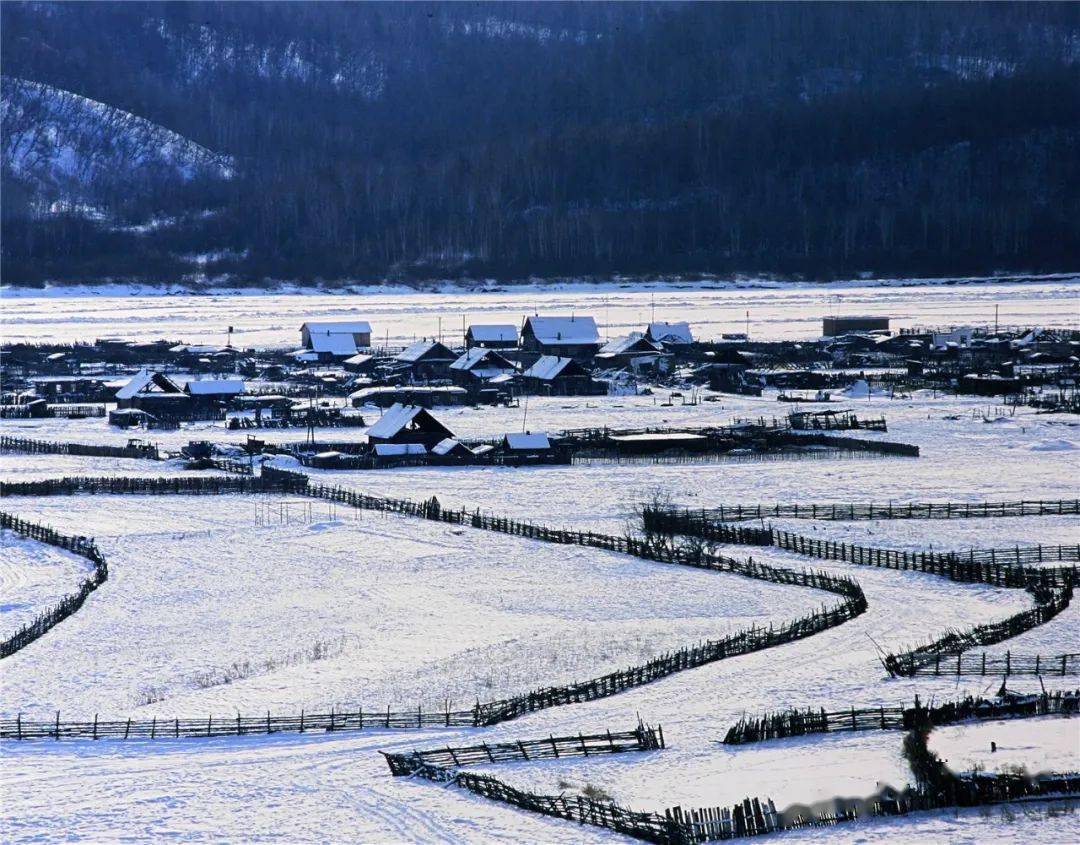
x=776, y=311
x=220, y=604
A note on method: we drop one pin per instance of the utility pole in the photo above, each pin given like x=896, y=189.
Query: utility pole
x=996, y=307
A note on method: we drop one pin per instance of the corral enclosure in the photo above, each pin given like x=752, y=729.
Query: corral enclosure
x=275, y=604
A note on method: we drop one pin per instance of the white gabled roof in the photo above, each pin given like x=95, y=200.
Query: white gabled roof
x=338, y=326
x=215, y=386
x=492, y=333
x=528, y=440
x=418, y=350
x=548, y=367
x=564, y=330
x=334, y=343
x=477, y=354
x=445, y=447
x=671, y=332
x=137, y=383
x=624, y=344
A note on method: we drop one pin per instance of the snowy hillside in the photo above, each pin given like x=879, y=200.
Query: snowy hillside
x=67, y=149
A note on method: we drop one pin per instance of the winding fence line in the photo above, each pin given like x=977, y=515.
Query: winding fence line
x=1006, y=567
x=852, y=604
x=936, y=787
x=797, y=722
x=82, y=546
x=1050, y=601
x=148, y=451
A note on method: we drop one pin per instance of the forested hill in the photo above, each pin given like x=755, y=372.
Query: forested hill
x=326, y=141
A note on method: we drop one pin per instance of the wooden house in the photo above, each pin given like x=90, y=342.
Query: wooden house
x=478, y=365
x=564, y=337
x=211, y=394
x=633, y=351
x=554, y=376
x=354, y=333
x=670, y=334
x=491, y=336
x=408, y=424
x=427, y=359
x=155, y=393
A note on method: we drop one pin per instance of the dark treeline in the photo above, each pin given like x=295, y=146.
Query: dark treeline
x=435, y=140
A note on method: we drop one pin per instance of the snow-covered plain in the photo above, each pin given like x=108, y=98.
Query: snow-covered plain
x=776, y=311
x=346, y=609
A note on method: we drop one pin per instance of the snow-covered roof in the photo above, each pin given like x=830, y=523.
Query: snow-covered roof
x=493, y=333
x=358, y=359
x=414, y=352
x=137, y=383
x=338, y=326
x=145, y=379
x=564, y=330
x=620, y=345
x=671, y=332
x=548, y=367
x=334, y=343
x=527, y=440
x=215, y=386
x=384, y=450
x=398, y=416
x=477, y=354
x=445, y=447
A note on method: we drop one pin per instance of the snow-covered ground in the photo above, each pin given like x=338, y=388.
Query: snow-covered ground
x=346, y=609
x=776, y=311
x=1047, y=744
x=33, y=577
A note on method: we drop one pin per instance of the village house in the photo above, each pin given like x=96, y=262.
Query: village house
x=408, y=424
x=156, y=394
x=555, y=376
x=633, y=352
x=491, y=336
x=358, y=333
x=478, y=365
x=427, y=359
x=670, y=334
x=564, y=337
x=208, y=395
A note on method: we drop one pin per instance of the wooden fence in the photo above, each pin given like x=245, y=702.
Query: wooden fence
x=82, y=546
x=849, y=512
x=640, y=739
x=1006, y=567
x=44, y=447
x=744, y=642
x=818, y=720
x=966, y=663
x=1049, y=603
x=937, y=787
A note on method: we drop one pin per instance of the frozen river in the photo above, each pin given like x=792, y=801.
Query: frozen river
x=790, y=312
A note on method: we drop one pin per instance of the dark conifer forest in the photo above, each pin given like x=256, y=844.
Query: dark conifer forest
x=324, y=142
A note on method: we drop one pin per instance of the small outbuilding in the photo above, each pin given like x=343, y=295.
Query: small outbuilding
x=835, y=326
x=670, y=334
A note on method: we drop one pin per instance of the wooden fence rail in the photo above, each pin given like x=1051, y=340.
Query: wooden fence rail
x=148, y=451
x=797, y=722
x=640, y=739
x=82, y=546
x=1006, y=567
x=848, y=512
